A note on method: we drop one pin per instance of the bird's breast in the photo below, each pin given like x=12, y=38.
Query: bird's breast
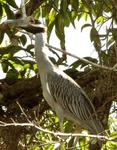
x=46, y=92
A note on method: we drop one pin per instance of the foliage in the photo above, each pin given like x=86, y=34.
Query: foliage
x=18, y=63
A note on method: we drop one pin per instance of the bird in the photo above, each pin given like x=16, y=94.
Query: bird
x=61, y=92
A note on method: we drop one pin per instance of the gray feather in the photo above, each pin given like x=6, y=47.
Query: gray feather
x=74, y=102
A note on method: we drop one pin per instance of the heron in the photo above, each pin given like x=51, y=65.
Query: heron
x=60, y=91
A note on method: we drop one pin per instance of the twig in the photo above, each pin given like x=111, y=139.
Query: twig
x=82, y=59
x=3, y=124
x=23, y=111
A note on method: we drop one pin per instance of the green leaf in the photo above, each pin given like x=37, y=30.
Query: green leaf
x=5, y=66
x=71, y=142
x=50, y=147
x=72, y=16
x=10, y=14
x=46, y=9
x=17, y=61
x=17, y=48
x=114, y=33
x=91, y=59
x=63, y=6
x=1, y=36
x=37, y=13
x=12, y=74
x=53, y=60
x=85, y=15
x=85, y=25
x=14, y=49
x=51, y=16
x=68, y=126
x=30, y=63
x=100, y=19
x=1, y=10
x=29, y=47
x=12, y=3
x=23, y=39
x=75, y=4
x=76, y=64
x=94, y=36
x=26, y=66
x=6, y=56
x=35, y=67
x=50, y=27
x=82, y=142
x=110, y=41
x=10, y=64
x=58, y=26
x=66, y=19
x=81, y=64
x=50, y=20
x=107, y=6
x=64, y=15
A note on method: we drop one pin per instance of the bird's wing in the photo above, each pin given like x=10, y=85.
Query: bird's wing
x=70, y=96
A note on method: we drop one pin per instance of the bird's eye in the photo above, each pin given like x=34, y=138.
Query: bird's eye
x=35, y=21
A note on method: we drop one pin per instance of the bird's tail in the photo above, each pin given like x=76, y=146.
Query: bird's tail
x=95, y=127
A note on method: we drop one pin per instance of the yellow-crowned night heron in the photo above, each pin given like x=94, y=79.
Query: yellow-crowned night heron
x=61, y=92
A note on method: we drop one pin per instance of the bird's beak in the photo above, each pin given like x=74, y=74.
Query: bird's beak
x=30, y=25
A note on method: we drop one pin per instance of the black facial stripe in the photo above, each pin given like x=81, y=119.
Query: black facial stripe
x=34, y=29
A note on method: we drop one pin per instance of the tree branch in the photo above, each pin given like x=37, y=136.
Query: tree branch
x=82, y=59
x=3, y=124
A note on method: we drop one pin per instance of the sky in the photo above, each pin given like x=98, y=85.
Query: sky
x=77, y=42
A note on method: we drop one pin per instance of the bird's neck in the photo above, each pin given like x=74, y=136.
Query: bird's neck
x=41, y=53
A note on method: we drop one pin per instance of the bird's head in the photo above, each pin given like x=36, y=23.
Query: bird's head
x=31, y=25
x=34, y=26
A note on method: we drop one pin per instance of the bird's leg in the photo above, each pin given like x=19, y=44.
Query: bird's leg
x=61, y=125
x=59, y=113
